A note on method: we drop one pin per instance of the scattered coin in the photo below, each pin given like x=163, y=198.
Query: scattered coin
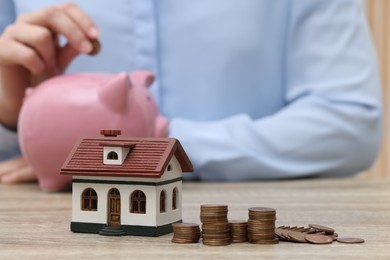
x=327, y=230
x=310, y=230
x=350, y=240
x=318, y=239
x=297, y=236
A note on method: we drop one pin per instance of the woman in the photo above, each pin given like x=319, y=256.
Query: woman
x=253, y=89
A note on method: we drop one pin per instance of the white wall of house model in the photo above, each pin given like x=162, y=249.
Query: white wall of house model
x=152, y=217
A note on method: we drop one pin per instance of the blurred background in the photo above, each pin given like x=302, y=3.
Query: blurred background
x=378, y=14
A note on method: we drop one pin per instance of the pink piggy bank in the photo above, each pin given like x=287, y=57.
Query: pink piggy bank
x=56, y=113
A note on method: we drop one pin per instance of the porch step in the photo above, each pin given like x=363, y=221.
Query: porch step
x=112, y=231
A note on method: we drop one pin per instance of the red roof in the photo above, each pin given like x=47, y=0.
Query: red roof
x=148, y=158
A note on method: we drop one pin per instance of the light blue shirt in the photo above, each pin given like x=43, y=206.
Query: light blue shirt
x=253, y=89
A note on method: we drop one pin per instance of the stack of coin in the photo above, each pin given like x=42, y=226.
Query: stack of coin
x=215, y=226
x=261, y=226
x=238, y=231
x=185, y=233
x=213, y=213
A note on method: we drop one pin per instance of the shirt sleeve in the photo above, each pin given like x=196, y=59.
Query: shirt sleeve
x=8, y=144
x=8, y=140
x=7, y=14
x=332, y=120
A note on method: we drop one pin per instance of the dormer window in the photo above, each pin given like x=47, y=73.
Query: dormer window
x=112, y=156
x=115, y=153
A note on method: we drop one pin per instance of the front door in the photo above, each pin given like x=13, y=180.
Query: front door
x=114, y=208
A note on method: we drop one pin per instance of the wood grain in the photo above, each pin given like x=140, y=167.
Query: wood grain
x=35, y=225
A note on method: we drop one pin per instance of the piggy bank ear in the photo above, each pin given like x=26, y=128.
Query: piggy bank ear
x=113, y=94
x=142, y=77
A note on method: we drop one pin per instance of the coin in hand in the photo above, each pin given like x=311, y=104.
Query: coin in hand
x=95, y=47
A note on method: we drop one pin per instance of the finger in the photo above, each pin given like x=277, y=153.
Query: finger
x=13, y=53
x=24, y=174
x=23, y=55
x=58, y=20
x=82, y=19
x=40, y=39
x=11, y=164
x=65, y=55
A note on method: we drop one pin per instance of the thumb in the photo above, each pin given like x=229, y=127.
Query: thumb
x=65, y=56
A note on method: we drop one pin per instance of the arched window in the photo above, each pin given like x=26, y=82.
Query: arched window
x=138, y=202
x=174, y=198
x=89, y=200
x=163, y=196
x=112, y=156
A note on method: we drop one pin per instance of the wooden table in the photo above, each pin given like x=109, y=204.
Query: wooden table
x=35, y=225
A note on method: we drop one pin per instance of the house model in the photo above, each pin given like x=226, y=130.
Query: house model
x=126, y=186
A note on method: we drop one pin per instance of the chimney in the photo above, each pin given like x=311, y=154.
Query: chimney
x=110, y=133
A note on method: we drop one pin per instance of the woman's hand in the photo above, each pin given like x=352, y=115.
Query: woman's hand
x=16, y=170
x=30, y=47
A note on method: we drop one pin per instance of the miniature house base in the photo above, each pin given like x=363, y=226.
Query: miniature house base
x=78, y=227
x=140, y=196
